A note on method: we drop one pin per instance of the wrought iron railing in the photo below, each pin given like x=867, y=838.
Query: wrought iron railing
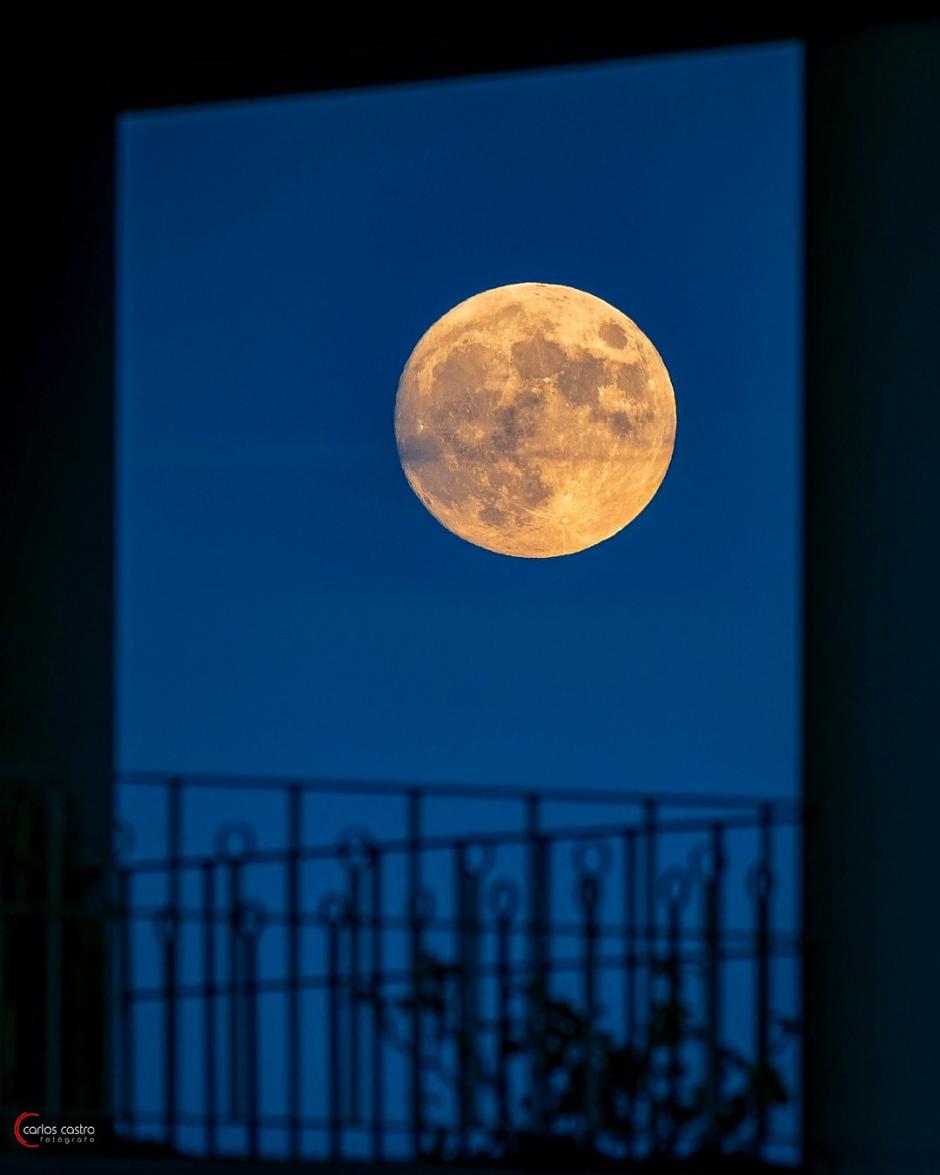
x=366, y=971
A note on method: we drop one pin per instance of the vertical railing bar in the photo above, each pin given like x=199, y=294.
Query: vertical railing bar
x=55, y=849
x=333, y=1042
x=295, y=835
x=174, y=840
x=378, y=1073
x=169, y=1034
x=467, y=889
x=235, y=1051
x=503, y=963
x=713, y=988
x=170, y=980
x=763, y=890
x=538, y=898
x=630, y=992
x=250, y=935
x=650, y=832
x=414, y=897
x=353, y=994
x=472, y=909
x=116, y=1092
x=675, y=998
x=650, y=857
x=210, y=1056
x=629, y=936
x=127, y=1096
x=463, y=996
x=591, y=1091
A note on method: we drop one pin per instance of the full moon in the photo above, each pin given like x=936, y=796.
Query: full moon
x=535, y=420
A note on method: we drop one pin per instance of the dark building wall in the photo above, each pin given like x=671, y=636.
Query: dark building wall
x=872, y=422
x=56, y=506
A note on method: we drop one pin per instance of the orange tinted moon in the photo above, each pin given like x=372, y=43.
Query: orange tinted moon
x=535, y=420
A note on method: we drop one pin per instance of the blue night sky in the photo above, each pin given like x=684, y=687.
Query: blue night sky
x=287, y=605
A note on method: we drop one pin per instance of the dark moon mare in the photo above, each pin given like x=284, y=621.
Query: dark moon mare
x=535, y=420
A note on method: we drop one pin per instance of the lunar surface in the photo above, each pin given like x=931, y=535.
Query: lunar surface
x=535, y=420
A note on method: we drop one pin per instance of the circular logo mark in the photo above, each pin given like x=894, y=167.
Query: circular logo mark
x=16, y=1129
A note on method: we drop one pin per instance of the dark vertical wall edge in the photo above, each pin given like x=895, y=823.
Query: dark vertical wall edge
x=872, y=421
x=56, y=590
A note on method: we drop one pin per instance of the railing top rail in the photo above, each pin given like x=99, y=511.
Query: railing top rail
x=449, y=841
x=478, y=791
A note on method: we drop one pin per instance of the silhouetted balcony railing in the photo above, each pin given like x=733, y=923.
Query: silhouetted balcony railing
x=366, y=971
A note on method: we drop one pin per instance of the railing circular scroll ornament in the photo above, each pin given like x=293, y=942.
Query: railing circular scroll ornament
x=332, y=910
x=592, y=857
x=760, y=881
x=675, y=887
x=505, y=899
x=476, y=858
x=703, y=864
x=357, y=849
x=235, y=841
